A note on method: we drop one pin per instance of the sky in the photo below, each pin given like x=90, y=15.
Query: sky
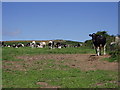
x=57, y=20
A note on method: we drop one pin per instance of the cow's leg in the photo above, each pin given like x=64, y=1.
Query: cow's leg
x=95, y=49
x=98, y=51
x=104, y=49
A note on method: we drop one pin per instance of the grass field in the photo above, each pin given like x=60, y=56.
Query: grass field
x=51, y=73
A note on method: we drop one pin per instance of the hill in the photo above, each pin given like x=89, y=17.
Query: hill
x=28, y=41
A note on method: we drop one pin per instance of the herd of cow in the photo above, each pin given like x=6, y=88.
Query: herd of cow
x=99, y=42
x=51, y=45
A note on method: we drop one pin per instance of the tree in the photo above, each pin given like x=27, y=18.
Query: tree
x=104, y=33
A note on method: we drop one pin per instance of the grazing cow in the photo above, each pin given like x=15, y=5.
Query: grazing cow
x=43, y=44
x=78, y=45
x=64, y=45
x=37, y=44
x=99, y=41
x=58, y=45
x=51, y=44
x=28, y=45
x=14, y=46
x=20, y=45
x=33, y=44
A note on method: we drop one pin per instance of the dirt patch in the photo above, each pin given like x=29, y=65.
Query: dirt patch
x=83, y=61
x=45, y=85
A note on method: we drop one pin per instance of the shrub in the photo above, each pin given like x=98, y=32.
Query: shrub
x=115, y=53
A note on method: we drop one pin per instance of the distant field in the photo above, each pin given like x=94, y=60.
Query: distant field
x=27, y=67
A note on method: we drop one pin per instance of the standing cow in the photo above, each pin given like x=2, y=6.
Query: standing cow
x=99, y=42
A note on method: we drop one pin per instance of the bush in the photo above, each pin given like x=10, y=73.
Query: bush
x=115, y=53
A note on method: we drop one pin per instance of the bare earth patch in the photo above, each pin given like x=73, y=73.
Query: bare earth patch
x=45, y=85
x=83, y=61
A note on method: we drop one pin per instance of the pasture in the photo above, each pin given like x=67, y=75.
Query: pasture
x=28, y=67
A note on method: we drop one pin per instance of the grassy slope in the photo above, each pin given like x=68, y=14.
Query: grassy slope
x=54, y=75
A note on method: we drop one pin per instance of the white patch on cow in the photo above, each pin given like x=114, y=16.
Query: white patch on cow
x=104, y=49
x=112, y=43
x=40, y=46
x=33, y=42
x=98, y=51
x=59, y=47
x=50, y=41
x=100, y=45
x=22, y=45
x=8, y=45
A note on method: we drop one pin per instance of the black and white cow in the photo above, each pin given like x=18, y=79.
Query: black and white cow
x=20, y=45
x=28, y=45
x=33, y=44
x=64, y=45
x=51, y=44
x=99, y=42
x=41, y=45
x=58, y=45
x=14, y=46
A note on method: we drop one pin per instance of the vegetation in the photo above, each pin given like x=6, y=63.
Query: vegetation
x=10, y=53
x=58, y=75
x=115, y=53
x=47, y=71
x=54, y=75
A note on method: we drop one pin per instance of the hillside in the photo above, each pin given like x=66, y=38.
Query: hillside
x=28, y=41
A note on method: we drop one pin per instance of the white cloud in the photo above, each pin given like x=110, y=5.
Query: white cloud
x=11, y=33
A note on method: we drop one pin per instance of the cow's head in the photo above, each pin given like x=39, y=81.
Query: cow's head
x=92, y=35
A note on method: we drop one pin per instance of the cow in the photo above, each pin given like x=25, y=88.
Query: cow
x=51, y=44
x=33, y=44
x=43, y=44
x=14, y=46
x=58, y=45
x=20, y=45
x=99, y=42
x=64, y=45
x=27, y=44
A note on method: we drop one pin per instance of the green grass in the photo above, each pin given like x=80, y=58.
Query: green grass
x=49, y=72
x=10, y=53
x=57, y=75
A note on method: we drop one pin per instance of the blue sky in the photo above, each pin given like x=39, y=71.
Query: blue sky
x=57, y=20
